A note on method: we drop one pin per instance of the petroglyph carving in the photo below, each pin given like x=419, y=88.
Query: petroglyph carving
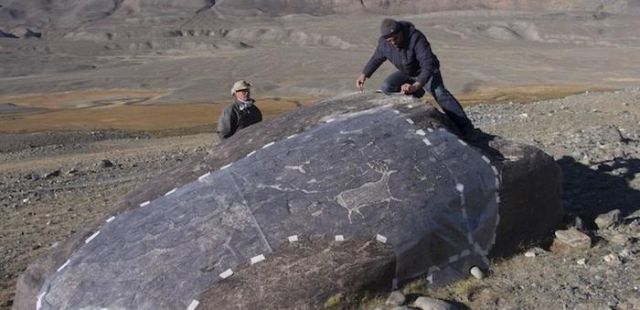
x=299, y=168
x=369, y=193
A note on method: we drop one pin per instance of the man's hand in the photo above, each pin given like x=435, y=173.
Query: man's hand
x=410, y=88
x=360, y=82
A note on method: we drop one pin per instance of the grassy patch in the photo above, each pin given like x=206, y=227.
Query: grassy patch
x=122, y=110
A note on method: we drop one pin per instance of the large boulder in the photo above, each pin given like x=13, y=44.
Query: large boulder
x=530, y=194
x=355, y=192
x=333, y=272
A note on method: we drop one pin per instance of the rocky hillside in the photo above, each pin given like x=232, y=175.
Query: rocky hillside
x=43, y=14
x=51, y=191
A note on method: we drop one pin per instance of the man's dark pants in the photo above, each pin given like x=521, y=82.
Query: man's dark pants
x=435, y=86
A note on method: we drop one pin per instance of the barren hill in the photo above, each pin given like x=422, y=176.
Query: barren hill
x=191, y=50
x=42, y=14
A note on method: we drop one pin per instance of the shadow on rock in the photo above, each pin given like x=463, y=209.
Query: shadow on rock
x=482, y=140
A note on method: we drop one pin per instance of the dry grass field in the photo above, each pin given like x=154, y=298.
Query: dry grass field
x=119, y=109
x=130, y=110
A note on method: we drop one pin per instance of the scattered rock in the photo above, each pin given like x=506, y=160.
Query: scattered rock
x=477, y=273
x=52, y=174
x=32, y=34
x=334, y=300
x=620, y=239
x=396, y=298
x=634, y=227
x=608, y=219
x=612, y=259
x=625, y=253
x=578, y=223
x=105, y=163
x=8, y=35
x=428, y=303
x=631, y=303
x=32, y=177
x=533, y=252
x=582, y=261
x=570, y=240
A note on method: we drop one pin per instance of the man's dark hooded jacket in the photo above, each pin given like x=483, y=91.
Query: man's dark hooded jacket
x=414, y=57
x=237, y=116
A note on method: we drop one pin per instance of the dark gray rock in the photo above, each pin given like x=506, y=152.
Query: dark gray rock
x=105, y=163
x=52, y=174
x=333, y=271
x=363, y=167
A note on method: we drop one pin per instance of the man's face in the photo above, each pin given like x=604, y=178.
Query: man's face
x=242, y=95
x=395, y=39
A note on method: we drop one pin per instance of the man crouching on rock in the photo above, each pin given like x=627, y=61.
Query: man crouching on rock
x=241, y=113
x=418, y=69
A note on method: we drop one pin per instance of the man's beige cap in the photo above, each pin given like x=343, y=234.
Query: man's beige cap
x=240, y=85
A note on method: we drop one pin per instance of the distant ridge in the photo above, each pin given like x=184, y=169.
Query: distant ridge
x=72, y=13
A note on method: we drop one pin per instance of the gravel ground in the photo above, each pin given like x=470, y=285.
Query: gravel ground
x=48, y=190
x=595, y=138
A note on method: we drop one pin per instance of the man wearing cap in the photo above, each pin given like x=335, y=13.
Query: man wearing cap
x=418, y=69
x=241, y=113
